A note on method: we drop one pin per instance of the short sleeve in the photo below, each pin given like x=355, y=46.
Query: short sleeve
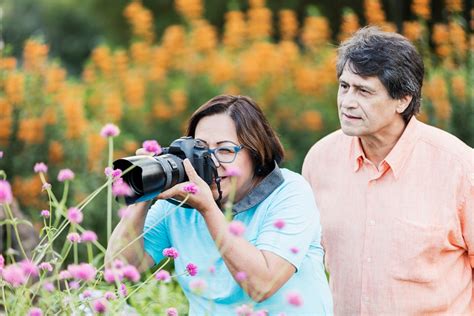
x=467, y=216
x=156, y=236
x=294, y=207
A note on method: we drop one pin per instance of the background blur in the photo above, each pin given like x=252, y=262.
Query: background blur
x=67, y=67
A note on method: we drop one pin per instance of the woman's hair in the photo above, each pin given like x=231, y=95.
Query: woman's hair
x=253, y=130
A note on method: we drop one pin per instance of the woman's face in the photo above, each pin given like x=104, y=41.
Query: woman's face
x=219, y=130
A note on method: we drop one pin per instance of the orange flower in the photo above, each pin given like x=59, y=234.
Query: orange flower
x=441, y=39
x=421, y=8
x=120, y=61
x=454, y=5
x=350, y=24
x=102, y=59
x=259, y=23
x=288, y=24
x=55, y=77
x=72, y=101
x=135, y=90
x=31, y=130
x=190, y=9
x=141, y=20
x=312, y=120
x=8, y=63
x=95, y=153
x=203, y=36
x=458, y=39
x=235, y=29
x=14, y=87
x=222, y=70
x=412, y=30
x=140, y=52
x=373, y=12
x=162, y=111
x=256, y=3
x=6, y=121
x=113, y=107
x=179, y=100
x=458, y=84
x=316, y=32
x=34, y=55
x=28, y=191
x=55, y=152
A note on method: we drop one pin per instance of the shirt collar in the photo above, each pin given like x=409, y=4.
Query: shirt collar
x=260, y=192
x=399, y=153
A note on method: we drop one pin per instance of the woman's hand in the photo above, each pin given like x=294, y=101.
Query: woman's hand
x=202, y=200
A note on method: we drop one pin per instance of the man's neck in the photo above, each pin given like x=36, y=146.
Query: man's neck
x=377, y=146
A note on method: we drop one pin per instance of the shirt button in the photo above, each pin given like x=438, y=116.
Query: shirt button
x=372, y=222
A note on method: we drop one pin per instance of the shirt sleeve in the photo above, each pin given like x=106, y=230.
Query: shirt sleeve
x=156, y=236
x=295, y=209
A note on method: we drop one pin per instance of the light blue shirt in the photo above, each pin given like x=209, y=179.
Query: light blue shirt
x=282, y=195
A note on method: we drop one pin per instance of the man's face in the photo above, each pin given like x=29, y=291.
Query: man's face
x=365, y=107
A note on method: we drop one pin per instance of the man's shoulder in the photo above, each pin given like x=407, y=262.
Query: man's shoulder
x=445, y=145
x=330, y=143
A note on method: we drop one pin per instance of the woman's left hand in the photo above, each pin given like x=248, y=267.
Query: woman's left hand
x=202, y=200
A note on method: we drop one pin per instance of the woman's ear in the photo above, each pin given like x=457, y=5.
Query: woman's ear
x=403, y=103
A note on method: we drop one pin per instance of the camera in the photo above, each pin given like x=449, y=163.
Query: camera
x=150, y=175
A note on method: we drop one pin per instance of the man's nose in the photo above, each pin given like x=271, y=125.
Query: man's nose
x=348, y=101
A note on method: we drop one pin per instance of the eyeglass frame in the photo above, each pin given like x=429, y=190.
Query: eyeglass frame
x=236, y=148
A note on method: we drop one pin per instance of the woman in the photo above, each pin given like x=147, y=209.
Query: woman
x=276, y=265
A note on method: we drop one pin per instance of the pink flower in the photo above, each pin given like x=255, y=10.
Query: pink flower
x=88, y=236
x=74, y=215
x=74, y=285
x=236, y=228
x=40, y=167
x=191, y=188
x=244, y=310
x=123, y=212
x=113, y=275
x=1, y=154
x=172, y=312
x=260, y=313
x=6, y=195
x=109, y=130
x=114, y=173
x=170, y=253
x=2, y=262
x=123, y=290
x=29, y=268
x=46, y=186
x=74, y=237
x=48, y=287
x=241, y=276
x=83, y=271
x=100, y=306
x=45, y=266
x=198, y=286
x=131, y=273
x=118, y=264
x=65, y=174
x=152, y=146
x=294, y=298
x=212, y=269
x=232, y=172
x=45, y=213
x=192, y=269
x=87, y=293
x=294, y=250
x=164, y=276
x=14, y=275
x=120, y=188
x=64, y=274
x=109, y=296
x=35, y=311
x=279, y=223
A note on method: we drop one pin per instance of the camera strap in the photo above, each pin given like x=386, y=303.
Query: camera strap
x=217, y=179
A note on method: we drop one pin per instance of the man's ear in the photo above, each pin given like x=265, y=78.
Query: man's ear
x=403, y=103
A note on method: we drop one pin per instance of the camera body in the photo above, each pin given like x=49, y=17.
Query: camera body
x=150, y=175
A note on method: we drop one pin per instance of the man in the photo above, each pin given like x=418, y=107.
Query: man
x=395, y=195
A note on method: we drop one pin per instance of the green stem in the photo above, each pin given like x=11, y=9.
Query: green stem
x=15, y=229
x=109, y=191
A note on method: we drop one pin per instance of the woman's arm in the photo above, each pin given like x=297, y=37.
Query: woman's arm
x=265, y=271
x=127, y=230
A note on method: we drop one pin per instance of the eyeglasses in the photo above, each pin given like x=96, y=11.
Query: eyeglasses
x=225, y=154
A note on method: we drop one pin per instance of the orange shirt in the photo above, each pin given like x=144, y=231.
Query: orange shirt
x=399, y=240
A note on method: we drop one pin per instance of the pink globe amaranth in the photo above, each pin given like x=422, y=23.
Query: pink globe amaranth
x=35, y=311
x=294, y=298
x=74, y=237
x=113, y=275
x=236, y=228
x=163, y=275
x=109, y=130
x=123, y=290
x=198, y=286
x=191, y=188
x=109, y=296
x=29, y=268
x=40, y=167
x=152, y=146
x=170, y=253
x=48, y=287
x=14, y=275
x=83, y=271
x=171, y=311
x=87, y=293
x=192, y=269
x=244, y=310
x=120, y=188
x=74, y=215
x=88, y=236
x=2, y=261
x=45, y=213
x=65, y=175
x=6, y=196
x=45, y=266
x=131, y=273
x=100, y=306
